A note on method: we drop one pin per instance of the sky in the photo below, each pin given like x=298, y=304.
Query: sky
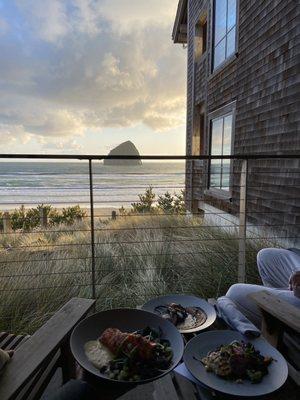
x=82, y=76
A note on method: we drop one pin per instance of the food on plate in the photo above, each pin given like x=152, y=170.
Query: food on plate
x=98, y=354
x=183, y=318
x=130, y=356
x=115, y=340
x=237, y=361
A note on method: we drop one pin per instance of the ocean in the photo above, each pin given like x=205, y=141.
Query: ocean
x=64, y=184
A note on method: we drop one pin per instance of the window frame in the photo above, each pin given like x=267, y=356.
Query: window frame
x=228, y=109
x=201, y=21
x=232, y=56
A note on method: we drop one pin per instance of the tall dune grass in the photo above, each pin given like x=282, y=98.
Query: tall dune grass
x=137, y=257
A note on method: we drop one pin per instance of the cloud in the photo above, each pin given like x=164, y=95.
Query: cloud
x=128, y=15
x=46, y=18
x=36, y=119
x=66, y=145
x=55, y=123
x=12, y=134
x=89, y=64
x=86, y=18
x=53, y=20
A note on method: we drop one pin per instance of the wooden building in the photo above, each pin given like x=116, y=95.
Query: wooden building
x=243, y=98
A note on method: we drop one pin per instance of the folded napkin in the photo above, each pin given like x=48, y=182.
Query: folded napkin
x=228, y=311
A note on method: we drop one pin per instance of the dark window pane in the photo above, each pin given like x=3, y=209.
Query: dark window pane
x=221, y=139
x=227, y=135
x=215, y=174
x=220, y=19
x=231, y=14
x=230, y=49
x=216, y=150
x=225, y=175
x=219, y=56
x=227, y=138
x=216, y=137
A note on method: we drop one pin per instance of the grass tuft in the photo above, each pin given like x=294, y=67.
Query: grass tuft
x=134, y=263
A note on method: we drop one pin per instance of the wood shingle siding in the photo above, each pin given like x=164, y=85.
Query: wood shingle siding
x=263, y=79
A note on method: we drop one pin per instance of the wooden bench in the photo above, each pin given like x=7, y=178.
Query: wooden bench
x=37, y=357
x=281, y=327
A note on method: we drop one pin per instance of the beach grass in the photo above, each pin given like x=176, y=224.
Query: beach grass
x=137, y=258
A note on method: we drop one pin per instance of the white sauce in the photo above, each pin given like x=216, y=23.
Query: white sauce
x=97, y=354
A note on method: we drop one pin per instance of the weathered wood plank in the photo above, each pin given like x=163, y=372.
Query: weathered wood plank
x=2, y=335
x=31, y=356
x=185, y=388
x=68, y=364
x=164, y=389
x=36, y=387
x=271, y=329
x=18, y=340
x=183, y=28
x=143, y=392
x=11, y=341
x=6, y=341
x=278, y=308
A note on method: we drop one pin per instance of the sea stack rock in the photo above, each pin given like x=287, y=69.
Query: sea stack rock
x=124, y=149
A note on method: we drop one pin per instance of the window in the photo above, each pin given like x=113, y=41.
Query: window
x=220, y=144
x=224, y=30
x=200, y=37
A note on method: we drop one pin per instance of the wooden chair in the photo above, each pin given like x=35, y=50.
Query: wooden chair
x=37, y=357
x=281, y=327
x=9, y=341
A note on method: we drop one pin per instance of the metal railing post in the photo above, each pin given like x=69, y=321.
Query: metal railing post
x=43, y=217
x=92, y=229
x=243, y=223
x=7, y=228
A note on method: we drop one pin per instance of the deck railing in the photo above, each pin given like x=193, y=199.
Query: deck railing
x=236, y=205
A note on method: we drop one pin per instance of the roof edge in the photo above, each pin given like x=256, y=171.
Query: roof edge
x=181, y=19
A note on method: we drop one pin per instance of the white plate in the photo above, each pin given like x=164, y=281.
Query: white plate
x=205, y=342
x=185, y=301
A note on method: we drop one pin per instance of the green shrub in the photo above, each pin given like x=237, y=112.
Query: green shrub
x=166, y=203
x=67, y=215
x=145, y=205
x=28, y=219
x=171, y=204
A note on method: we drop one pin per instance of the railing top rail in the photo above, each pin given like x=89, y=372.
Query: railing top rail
x=149, y=157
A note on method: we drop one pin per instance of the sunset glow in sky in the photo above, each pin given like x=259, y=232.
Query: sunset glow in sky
x=81, y=76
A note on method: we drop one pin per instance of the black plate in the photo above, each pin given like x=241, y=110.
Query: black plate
x=185, y=301
x=201, y=345
x=127, y=320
